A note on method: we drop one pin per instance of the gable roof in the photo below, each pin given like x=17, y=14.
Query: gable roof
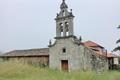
x=92, y=44
x=29, y=52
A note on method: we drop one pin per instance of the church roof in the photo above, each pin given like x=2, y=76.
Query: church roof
x=109, y=55
x=92, y=44
x=29, y=52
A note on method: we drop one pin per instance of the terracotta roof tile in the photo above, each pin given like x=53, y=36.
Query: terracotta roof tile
x=92, y=44
x=111, y=55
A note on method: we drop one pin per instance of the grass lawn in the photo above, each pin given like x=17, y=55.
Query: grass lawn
x=18, y=71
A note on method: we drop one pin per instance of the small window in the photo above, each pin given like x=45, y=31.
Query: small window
x=64, y=50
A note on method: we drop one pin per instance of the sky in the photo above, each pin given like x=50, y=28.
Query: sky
x=27, y=24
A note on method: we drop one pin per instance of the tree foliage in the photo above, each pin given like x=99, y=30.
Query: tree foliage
x=117, y=48
x=118, y=41
x=118, y=27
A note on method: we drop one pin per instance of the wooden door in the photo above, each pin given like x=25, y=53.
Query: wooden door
x=64, y=65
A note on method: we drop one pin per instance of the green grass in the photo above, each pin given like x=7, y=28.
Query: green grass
x=19, y=71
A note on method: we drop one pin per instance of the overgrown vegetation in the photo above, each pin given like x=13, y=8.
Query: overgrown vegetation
x=18, y=71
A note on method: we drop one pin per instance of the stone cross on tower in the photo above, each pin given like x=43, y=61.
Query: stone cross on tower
x=64, y=21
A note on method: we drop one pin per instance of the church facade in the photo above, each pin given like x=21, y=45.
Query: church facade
x=67, y=52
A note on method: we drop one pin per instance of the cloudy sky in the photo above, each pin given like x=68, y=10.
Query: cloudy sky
x=26, y=24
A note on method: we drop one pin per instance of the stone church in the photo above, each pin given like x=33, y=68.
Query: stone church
x=67, y=52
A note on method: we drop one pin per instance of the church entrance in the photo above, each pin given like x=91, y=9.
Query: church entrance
x=64, y=65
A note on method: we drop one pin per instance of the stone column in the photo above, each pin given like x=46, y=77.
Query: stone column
x=71, y=27
x=58, y=34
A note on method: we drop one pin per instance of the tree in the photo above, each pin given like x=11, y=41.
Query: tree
x=118, y=27
x=118, y=41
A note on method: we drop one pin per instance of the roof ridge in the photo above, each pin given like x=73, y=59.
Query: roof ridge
x=28, y=49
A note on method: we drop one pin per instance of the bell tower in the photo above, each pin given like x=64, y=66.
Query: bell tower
x=64, y=21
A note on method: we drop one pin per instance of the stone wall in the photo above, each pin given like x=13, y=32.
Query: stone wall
x=94, y=61
x=42, y=61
